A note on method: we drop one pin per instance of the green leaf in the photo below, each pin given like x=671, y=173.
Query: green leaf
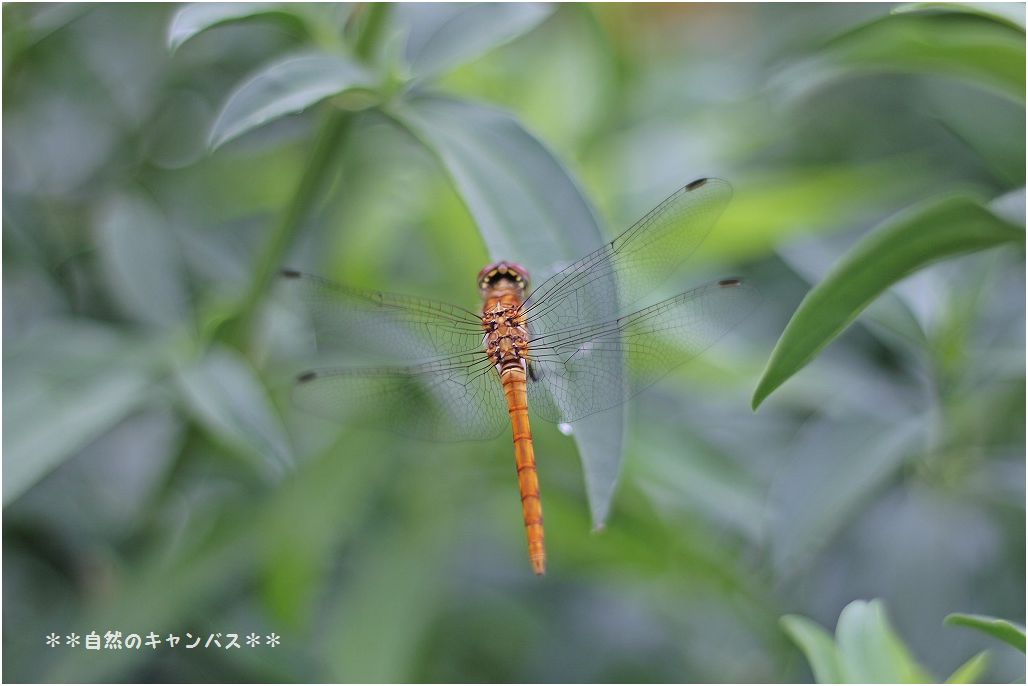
x=525, y=203
x=817, y=645
x=1002, y=629
x=142, y=261
x=970, y=672
x=527, y=208
x=227, y=397
x=960, y=46
x=73, y=382
x=866, y=648
x=284, y=87
x=988, y=126
x=869, y=649
x=1010, y=206
x=197, y=17
x=600, y=442
x=443, y=36
x=923, y=234
x=1009, y=13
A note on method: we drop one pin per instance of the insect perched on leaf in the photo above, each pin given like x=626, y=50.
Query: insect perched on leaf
x=568, y=348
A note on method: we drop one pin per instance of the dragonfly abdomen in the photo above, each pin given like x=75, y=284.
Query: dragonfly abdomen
x=515, y=390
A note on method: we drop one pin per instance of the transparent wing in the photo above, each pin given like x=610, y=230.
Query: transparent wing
x=399, y=327
x=577, y=372
x=457, y=399
x=599, y=286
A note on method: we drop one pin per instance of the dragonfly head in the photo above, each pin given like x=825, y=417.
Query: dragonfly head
x=491, y=276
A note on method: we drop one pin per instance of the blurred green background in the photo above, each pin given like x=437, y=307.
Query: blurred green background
x=156, y=477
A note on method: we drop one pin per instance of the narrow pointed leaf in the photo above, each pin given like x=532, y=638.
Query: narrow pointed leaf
x=1002, y=629
x=962, y=46
x=197, y=17
x=933, y=231
x=224, y=393
x=81, y=378
x=1009, y=13
x=444, y=36
x=284, y=87
x=142, y=262
x=972, y=671
x=599, y=438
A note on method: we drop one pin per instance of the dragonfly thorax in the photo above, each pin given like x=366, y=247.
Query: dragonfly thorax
x=506, y=337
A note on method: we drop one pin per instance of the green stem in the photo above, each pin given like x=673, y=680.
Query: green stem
x=373, y=25
x=269, y=260
x=316, y=174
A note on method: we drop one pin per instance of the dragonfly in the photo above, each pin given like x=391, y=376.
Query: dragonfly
x=570, y=347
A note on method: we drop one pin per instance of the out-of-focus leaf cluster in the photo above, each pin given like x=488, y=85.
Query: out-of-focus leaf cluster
x=866, y=649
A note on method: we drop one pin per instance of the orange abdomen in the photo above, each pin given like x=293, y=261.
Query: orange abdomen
x=524, y=458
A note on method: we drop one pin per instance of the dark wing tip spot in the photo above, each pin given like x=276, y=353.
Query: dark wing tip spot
x=728, y=283
x=693, y=185
x=290, y=273
x=306, y=376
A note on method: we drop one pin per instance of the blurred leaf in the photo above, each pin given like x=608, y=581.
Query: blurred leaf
x=769, y=208
x=26, y=26
x=105, y=491
x=817, y=645
x=394, y=599
x=1010, y=206
x=1002, y=629
x=866, y=648
x=284, y=87
x=327, y=499
x=960, y=46
x=1009, y=13
x=869, y=649
x=142, y=261
x=600, y=441
x=228, y=398
x=921, y=235
x=988, y=126
x=221, y=554
x=443, y=36
x=688, y=474
x=72, y=382
x=197, y=17
x=972, y=671
x=527, y=208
